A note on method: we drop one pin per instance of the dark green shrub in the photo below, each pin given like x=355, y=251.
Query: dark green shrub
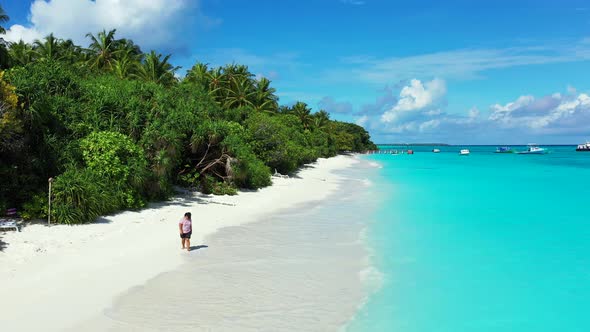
x=114, y=156
x=350, y=137
x=277, y=141
x=223, y=188
x=206, y=184
x=80, y=196
x=250, y=172
x=68, y=214
x=36, y=208
x=189, y=179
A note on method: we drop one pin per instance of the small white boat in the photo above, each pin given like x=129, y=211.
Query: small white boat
x=436, y=150
x=533, y=149
x=583, y=147
x=464, y=152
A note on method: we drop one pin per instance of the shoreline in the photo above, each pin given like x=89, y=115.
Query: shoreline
x=371, y=278
x=62, y=272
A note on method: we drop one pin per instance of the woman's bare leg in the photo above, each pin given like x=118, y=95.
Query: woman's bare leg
x=182, y=242
x=188, y=244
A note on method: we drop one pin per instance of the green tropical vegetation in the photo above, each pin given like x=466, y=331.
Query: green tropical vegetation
x=117, y=127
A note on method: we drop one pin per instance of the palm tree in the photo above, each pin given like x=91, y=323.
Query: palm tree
x=321, y=119
x=216, y=78
x=128, y=58
x=3, y=19
x=265, y=99
x=21, y=53
x=301, y=111
x=125, y=66
x=217, y=83
x=198, y=74
x=233, y=70
x=240, y=92
x=157, y=69
x=242, y=70
x=4, y=57
x=48, y=49
x=127, y=46
x=70, y=52
x=103, y=49
x=284, y=109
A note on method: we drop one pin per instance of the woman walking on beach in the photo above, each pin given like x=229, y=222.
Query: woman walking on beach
x=186, y=229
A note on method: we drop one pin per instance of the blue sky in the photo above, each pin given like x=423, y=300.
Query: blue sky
x=409, y=71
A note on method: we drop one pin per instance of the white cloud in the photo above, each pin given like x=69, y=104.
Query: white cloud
x=569, y=108
x=556, y=118
x=429, y=125
x=18, y=32
x=362, y=121
x=385, y=100
x=502, y=113
x=150, y=23
x=571, y=90
x=456, y=64
x=416, y=97
x=473, y=113
x=433, y=112
x=405, y=127
x=551, y=113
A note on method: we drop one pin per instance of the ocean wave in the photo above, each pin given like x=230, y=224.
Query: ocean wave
x=371, y=278
x=375, y=164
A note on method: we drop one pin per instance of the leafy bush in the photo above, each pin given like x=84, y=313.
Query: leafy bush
x=223, y=188
x=80, y=196
x=351, y=137
x=321, y=142
x=113, y=104
x=36, y=208
x=191, y=178
x=277, y=141
x=7, y=92
x=206, y=184
x=114, y=156
x=250, y=172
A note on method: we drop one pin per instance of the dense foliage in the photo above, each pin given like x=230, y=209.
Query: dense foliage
x=116, y=128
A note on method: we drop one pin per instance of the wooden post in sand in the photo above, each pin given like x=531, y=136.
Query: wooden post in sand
x=49, y=204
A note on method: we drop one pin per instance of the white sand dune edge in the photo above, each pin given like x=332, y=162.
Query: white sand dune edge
x=55, y=277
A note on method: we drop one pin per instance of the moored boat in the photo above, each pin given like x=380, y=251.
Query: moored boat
x=503, y=149
x=436, y=150
x=583, y=147
x=533, y=149
x=464, y=152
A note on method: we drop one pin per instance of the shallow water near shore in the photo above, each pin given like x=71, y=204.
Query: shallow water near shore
x=486, y=242
x=300, y=269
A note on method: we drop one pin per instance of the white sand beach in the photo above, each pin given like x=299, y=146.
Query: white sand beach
x=66, y=277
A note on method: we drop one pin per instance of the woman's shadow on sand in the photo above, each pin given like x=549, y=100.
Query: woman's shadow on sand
x=202, y=246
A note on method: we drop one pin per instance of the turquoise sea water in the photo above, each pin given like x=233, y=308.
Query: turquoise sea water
x=485, y=242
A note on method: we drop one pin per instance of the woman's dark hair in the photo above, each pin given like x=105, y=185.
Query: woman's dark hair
x=188, y=214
